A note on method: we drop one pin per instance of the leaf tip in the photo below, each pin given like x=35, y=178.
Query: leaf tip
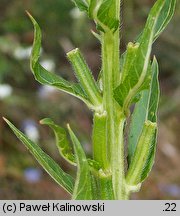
x=71, y=133
x=31, y=18
x=28, y=13
x=45, y=121
x=6, y=120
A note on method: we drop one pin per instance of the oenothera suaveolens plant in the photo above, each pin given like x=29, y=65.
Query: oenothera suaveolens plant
x=124, y=80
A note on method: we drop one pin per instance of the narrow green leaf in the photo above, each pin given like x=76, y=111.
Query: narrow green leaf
x=62, y=141
x=145, y=109
x=137, y=121
x=83, y=187
x=51, y=167
x=85, y=77
x=152, y=116
x=48, y=78
x=141, y=154
x=138, y=73
x=165, y=17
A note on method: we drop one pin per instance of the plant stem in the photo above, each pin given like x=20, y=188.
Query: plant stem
x=115, y=119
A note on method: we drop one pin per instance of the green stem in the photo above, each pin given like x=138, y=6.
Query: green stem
x=115, y=119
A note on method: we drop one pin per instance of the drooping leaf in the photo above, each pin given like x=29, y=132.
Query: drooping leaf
x=62, y=141
x=83, y=187
x=48, y=78
x=138, y=77
x=145, y=109
x=51, y=167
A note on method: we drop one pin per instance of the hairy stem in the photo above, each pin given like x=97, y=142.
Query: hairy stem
x=115, y=119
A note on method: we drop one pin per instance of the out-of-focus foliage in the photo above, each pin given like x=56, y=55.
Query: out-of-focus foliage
x=25, y=102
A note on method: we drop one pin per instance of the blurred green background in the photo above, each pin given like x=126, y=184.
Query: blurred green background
x=25, y=102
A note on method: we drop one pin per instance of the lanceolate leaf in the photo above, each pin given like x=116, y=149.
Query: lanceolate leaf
x=48, y=78
x=51, y=167
x=83, y=187
x=137, y=121
x=138, y=73
x=145, y=109
x=163, y=19
x=152, y=116
x=62, y=141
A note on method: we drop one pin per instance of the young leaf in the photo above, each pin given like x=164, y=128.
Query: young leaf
x=83, y=187
x=51, y=167
x=47, y=78
x=62, y=142
x=138, y=74
x=145, y=109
